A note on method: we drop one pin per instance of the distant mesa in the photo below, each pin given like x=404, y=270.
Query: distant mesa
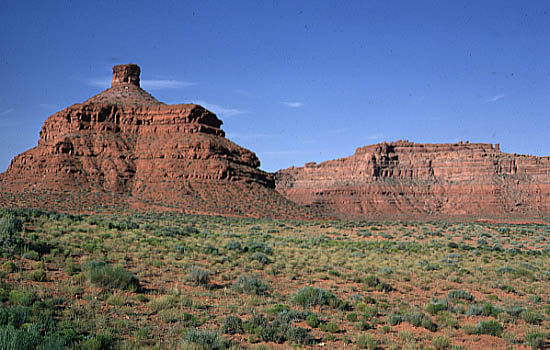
x=411, y=180
x=124, y=149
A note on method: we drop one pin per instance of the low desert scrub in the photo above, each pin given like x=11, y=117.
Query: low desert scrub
x=251, y=284
x=104, y=275
x=198, y=277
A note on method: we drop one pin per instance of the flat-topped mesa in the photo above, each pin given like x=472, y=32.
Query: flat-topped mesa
x=124, y=141
x=126, y=74
x=411, y=147
x=405, y=178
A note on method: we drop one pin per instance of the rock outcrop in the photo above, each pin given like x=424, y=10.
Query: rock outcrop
x=404, y=179
x=123, y=148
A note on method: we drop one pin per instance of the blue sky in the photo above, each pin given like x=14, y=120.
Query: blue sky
x=294, y=81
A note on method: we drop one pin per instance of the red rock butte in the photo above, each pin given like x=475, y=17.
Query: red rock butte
x=410, y=180
x=124, y=149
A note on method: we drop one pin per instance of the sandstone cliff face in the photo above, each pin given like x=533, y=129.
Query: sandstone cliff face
x=123, y=147
x=404, y=179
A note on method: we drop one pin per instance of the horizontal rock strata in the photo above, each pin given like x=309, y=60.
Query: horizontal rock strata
x=405, y=179
x=122, y=147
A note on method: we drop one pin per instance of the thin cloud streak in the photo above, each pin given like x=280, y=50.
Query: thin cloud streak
x=293, y=104
x=100, y=83
x=496, y=98
x=7, y=111
x=156, y=84
x=165, y=84
x=220, y=110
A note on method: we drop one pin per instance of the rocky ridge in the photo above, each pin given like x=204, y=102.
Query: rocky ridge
x=122, y=147
x=405, y=179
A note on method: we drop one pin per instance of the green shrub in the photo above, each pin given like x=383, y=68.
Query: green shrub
x=18, y=315
x=3, y=316
x=38, y=275
x=8, y=267
x=369, y=311
x=459, y=294
x=429, y=324
x=256, y=322
x=278, y=331
x=107, y=276
x=363, y=325
x=232, y=325
x=531, y=317
x=312, y=321
x=28, y=338
x=469, y=328
x=474, y=310
x=420, y=319
x=24, y=298
x=198, y=276
x=312, y=296
x=142, y=333
x=514, y=311
x=299, y=335
x=366, y=341
x=98, y=342
x=261, y=258
x=31, y=255
x=162, y=303
x=490, y=327
x=169, y=315
x=372, y=281
x=395, y=319
x=251, y=285
x=234, y=245
x=434, y=308
x=330, y=327
x=259, y=247
x=487, y=309
x=384, y=287
x=352, y=317
x=205, y=339
x=536, y=340
x=10, y=226
x=277, y=309
x=441, y=342
x=142, y=298
x=116, y=299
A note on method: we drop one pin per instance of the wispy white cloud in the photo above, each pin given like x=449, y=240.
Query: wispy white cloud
x=220, y=110
x=293, y=104
x=155, y=84
x=496, y=98
x=100, y=83
x=7, y=111
x=376, y=136
x=165, y=84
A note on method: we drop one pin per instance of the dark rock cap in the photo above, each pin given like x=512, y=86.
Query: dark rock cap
x=125, y=74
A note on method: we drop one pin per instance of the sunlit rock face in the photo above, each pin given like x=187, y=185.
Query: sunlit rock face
x=124, y=147
x=405, y=179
